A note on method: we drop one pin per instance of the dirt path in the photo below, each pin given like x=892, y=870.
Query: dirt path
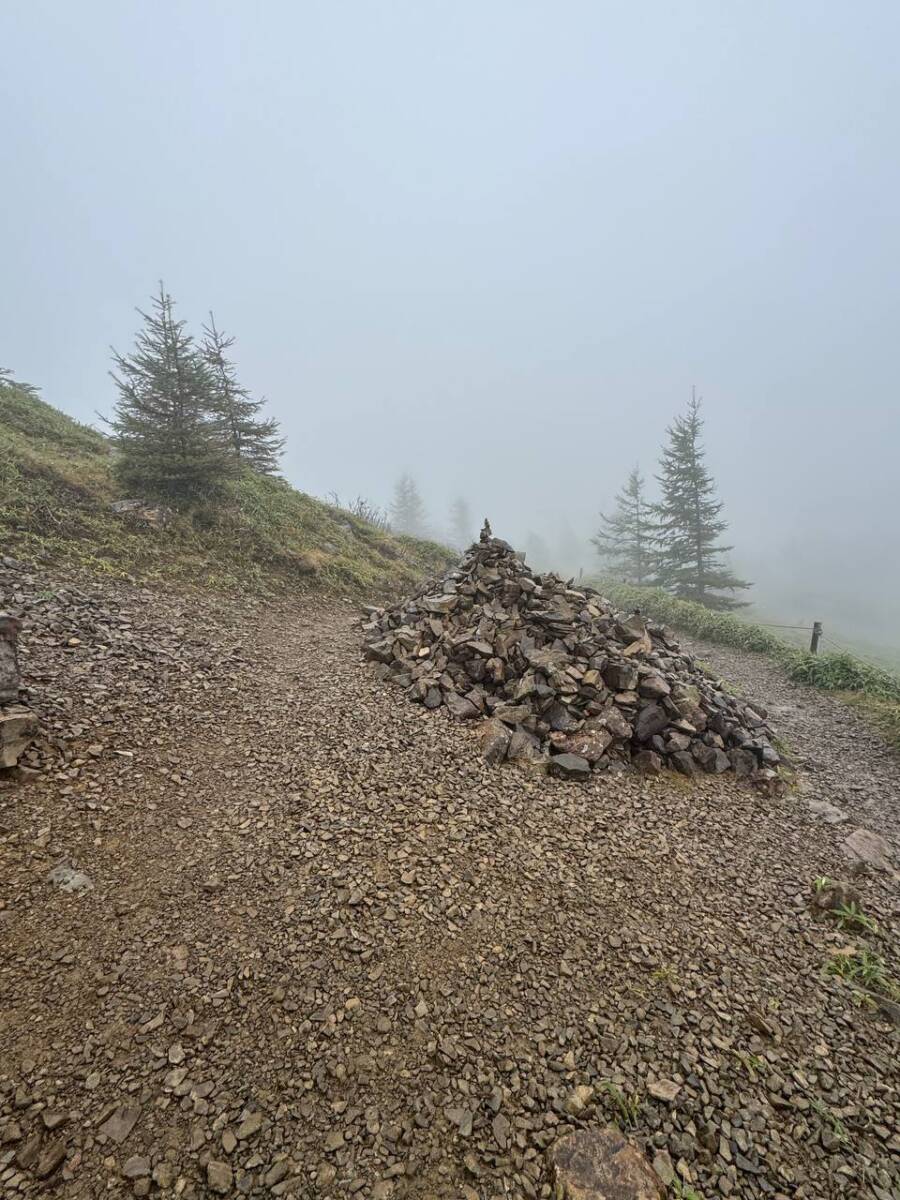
x=327, y=952
x=844, y=761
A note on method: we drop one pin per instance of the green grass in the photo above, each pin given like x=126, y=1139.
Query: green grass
x=683, y=1191
x=627, y=1108
x=57, y=484
x=866, y=969
x=873, y=690
x=851, y=916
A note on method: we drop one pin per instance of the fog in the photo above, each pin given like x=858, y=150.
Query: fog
x=494, y=245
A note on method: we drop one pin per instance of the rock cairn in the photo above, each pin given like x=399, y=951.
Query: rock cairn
x=558, y=678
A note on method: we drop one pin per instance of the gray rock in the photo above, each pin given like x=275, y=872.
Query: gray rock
x=219, y=1177
x=648, y=761
x=570, y=766
x=460, y=707
x=136, y=1167
x=830, y=813
x=120, y=1123
x=67, y=879
x=622, y=676
x=711, y=759
x=865, y=846
x=651, y=719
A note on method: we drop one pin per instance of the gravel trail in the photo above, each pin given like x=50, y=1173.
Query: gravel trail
x=844, y=761
x=328, y=952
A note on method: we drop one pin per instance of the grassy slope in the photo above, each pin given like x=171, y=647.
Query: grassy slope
x=874, y=691
x=56, y=485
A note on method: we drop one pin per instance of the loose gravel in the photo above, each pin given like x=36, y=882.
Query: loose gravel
x=844, y=761
x=328, y=951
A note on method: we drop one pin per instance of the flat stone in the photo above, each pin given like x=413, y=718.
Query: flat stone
x=136, y=1167
x=830, y=813
x=663, y=1089
x=460, y=707
x=570, y=766
x=591, y=744
x=29, y=1152
x=118, y=1126
x=250, y=1125
x=662, y=1165
x=219, y=1177
x=863, y=845
x=10, y=1132
x=51, y=1158
x=602, y=1164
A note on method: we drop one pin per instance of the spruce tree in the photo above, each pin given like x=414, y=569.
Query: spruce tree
x=461, y=531
x=407, y=509
x=165, y=424
x=252, y=440
x=689, y=521
x=626, y=538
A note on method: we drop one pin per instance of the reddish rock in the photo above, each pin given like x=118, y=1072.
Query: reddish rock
x=602, y=1164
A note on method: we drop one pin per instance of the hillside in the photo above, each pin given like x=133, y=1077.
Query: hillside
x=57, y=485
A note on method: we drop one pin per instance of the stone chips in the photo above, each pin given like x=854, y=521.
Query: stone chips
x=558, y=678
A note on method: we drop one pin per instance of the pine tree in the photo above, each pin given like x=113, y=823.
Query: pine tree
x=626, y=538
x=165, y=424
x=461, y=531
x=689, y=521
x=407, y=509
x=253, y=441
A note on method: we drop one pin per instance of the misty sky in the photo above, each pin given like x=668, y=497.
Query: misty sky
x=494, y=244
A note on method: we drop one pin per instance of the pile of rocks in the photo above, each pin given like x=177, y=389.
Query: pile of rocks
x=18, y=724
x=558, y=677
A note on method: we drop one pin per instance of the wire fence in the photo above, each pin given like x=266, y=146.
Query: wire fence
x=869, y=662
x=829, y=641
x=772, y=625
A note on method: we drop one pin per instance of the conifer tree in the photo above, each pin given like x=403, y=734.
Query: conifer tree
x=165, y=424
x=626, y=538
x=407, y=508
x=689, y=520
x=252, y=440
x=461, y=531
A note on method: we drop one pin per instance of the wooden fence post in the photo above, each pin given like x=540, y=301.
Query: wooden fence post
x=814, y=640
